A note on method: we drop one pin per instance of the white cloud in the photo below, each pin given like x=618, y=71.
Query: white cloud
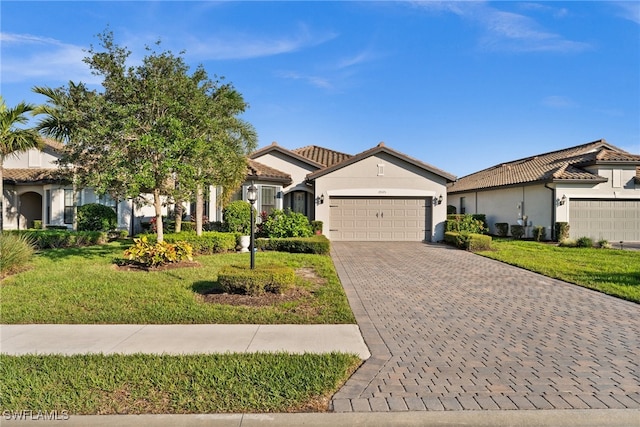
x=27, y=57
x=317, y=81
x=246, y=46
x=508, y=31
x=628, y=10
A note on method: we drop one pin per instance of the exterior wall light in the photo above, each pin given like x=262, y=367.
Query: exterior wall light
x=562, y=200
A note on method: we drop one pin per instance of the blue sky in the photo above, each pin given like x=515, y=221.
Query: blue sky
x=459, y=85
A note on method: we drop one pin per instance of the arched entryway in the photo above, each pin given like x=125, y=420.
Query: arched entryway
x=30, y=209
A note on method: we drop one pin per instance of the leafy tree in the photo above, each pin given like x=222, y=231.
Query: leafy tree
x=14, y=140
x=151, y=126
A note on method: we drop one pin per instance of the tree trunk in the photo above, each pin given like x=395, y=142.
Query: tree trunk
x=199, y=209
x=178, y=211
x=157, y=203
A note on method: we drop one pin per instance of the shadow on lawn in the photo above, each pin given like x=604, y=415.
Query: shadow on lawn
x=112, y=249
x=205, y=286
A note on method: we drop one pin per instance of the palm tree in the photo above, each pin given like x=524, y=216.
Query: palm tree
x=14, y=140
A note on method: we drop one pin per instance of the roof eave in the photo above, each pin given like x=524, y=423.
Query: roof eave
x=282, y=150
x=373, y=151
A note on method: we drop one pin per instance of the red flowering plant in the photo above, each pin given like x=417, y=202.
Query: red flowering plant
x=260, y=226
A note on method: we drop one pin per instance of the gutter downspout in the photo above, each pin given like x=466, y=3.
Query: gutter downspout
x=553, y=211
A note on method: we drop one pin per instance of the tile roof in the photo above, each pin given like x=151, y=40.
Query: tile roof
x=257, y=170
x=566, y=164
x=29, y=175
x=323, y=156
x=382, y=148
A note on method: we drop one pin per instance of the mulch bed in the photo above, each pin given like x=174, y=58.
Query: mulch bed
x=215, y=296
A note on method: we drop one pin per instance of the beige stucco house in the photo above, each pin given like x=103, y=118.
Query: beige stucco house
x=34, y=190
x=595, y=187
x=377, y=195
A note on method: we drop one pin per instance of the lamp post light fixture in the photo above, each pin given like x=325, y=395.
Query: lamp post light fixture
x=252, y=196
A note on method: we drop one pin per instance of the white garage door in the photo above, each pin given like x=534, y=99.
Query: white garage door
x=613, y=220
x=380, y=219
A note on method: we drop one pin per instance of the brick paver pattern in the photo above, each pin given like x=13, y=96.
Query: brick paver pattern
x=450, y=330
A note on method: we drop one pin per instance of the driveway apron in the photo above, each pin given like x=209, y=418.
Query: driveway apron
x=450, y=330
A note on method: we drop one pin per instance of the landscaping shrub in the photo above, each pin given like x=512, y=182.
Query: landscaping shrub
x=451, y=210
x=318, y=244
x=96, y=217
x=154, y=254
x=237, y=217
x=469, y=241
x=562, y=231
x=286, y=223
x=264, y=278
x=210, y=242
x=584, y=242
x=37, y=224
x=604, y=244
x=52, y=239
x=316, y=227
x=517, y=231
x=502, y=229
x=16, y=251
x=466, y=223
x=539, y=233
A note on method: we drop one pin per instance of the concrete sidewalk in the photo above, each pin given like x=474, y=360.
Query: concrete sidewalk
x=550, y=418
x=180, y=339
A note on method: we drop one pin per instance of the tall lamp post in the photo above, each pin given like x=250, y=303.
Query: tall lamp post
x=252, y=196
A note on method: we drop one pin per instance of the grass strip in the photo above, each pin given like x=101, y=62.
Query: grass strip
x=161, y=384
x=82, y=286
x=611, y=271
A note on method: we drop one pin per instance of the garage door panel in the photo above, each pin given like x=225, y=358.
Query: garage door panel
x=613, y=220
x=379, y=219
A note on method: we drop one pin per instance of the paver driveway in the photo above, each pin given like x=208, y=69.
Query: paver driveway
x=450, y=330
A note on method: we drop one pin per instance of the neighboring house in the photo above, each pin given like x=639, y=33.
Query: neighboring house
x=34, y=190
x=377, y=195
x=595, y=187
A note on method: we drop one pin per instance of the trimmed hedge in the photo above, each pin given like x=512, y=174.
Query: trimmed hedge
x=502, y=229
x=318, y=244
x=469, y=241
x=210, y=242
x=539, y=233
x=466, y=223
x=562, y=231
x=517, y=231
x=265, y=278
x=52, y=239
x=96, y=217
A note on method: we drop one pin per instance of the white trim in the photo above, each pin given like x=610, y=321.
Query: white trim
x=381, y=192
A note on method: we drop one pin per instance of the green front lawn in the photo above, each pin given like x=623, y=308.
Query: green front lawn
x=611, y=271
x=82, y=285
x=151, y=384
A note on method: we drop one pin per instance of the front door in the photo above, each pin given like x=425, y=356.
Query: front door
x=299, y=202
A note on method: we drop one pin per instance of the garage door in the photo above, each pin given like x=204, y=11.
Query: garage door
x=613, y=220
x=380, y=219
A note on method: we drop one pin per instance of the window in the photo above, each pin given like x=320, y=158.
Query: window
x=380, y=169
x=68, y=206
x=268, y=198
x=106, y=200
x=463, y=207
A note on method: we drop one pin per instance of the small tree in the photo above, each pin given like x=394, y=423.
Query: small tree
x=237, y=217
